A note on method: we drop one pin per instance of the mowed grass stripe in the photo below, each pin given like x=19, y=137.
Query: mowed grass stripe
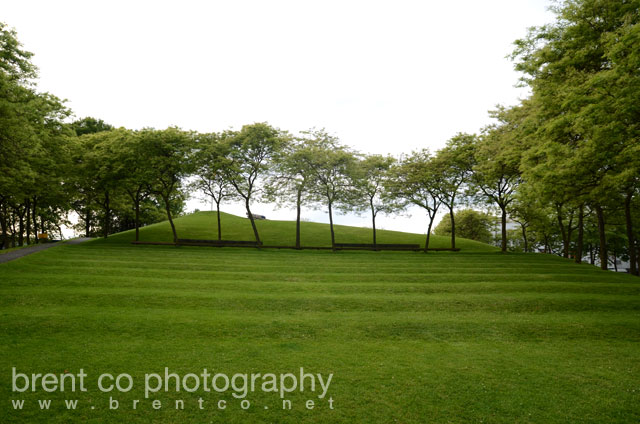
x=296, y=302
x=328, y=262
x=302, y=285
x=294, y=295
x=470, y=326
x=390, y=278
x=433, y=268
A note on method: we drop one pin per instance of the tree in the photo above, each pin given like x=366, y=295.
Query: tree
x=168, y=151
x=470, y=224
x=292, y=178
x=209, y=162
x=370, y=176
x=583, y=72
x=496, y=173
x=104, y=168
x=32, y=159
x=135, y=174
x=251, y=151
x=413, y=181
x=90, y=125
x=15, y=63
x=30, y=125
x=453, y=166
x=50, y=161
x=525, y=211
x=332, y=165
x=612, y=115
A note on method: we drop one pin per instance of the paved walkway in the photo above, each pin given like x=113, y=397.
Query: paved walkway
x=18, y=253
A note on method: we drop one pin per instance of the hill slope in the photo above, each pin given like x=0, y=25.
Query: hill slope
x=203, y=225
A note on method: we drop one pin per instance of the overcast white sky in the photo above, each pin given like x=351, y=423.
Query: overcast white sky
x=384, y=76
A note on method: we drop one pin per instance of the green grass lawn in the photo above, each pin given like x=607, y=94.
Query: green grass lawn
x=474, y=336
x=203, y=225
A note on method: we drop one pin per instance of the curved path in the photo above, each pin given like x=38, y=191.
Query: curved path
x=18, y=253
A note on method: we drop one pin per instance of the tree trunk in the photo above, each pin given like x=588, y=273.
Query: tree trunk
x=580, y=241
x=333, y=238
x=28, y=220
x=426, y=243
x=563, y=232
x=373, y=222
x=633, y=266
x=298, y=210
x=638, y=258
x=34, y=216
x=87, y=223
x=253, y=222
x=42, y=226
x=107, y=215
x=219, y=223
x=547, y=247
x=524, y=238
x=615, y=261
x=603, y=238
x=13, y=230
x=503, y=244
x=21, y=228
x=137, y=215
x=453, y=229
x=569, y=232
x=3, y=224
x=168, y=209
x=592, y=258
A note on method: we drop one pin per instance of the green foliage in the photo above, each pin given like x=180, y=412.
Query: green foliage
x=15, y=63
x=413, y=181
x=496, y=174
x=453, y=167
x=369, y=178
x=583, y=73
x=33, y=157
x=332, y=166
x=209, y=161
x=470, y=224
x=291, y=178
x=168, y=153
x=497, y=157
x=250, y=155
x=90, y=125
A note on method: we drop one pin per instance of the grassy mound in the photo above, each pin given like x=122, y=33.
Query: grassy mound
x=203, y=225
